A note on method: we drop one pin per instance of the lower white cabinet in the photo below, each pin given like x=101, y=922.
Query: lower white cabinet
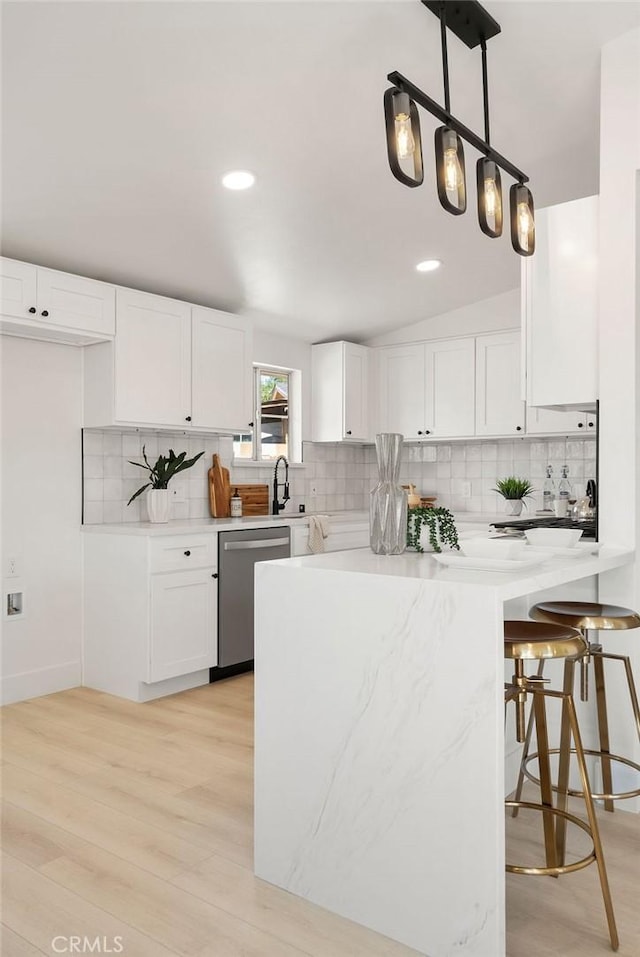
x=150, y=611
x=182, y=633
x=342, y=536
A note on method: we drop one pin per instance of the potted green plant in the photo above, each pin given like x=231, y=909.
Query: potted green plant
x=514, y=491
x=428, y=529
x=160, y=475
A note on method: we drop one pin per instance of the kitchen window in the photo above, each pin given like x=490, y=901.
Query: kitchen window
x=271, y=434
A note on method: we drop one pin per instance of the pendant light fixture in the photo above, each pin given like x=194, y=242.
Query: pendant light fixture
x=471, y=23
x=404, y=144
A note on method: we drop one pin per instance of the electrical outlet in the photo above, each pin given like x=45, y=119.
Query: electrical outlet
x=12, y=567
x=178, y=492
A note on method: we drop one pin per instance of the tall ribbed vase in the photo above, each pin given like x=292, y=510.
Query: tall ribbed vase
x=388, y=504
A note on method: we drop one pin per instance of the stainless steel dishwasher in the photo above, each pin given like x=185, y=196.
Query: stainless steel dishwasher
x=238, y=552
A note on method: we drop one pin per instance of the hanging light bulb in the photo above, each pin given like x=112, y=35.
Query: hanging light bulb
x=523, y=234
x=404, y=146
x=452, y=191
x=489, y=197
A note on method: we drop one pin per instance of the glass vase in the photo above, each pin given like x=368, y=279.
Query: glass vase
x=388, y=504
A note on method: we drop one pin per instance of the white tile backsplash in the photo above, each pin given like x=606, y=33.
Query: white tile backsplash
x=334, y=477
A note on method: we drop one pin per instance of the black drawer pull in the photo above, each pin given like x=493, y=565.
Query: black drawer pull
x=44, y=312
x=215, y=575
x=32, y=309
x=187, y=553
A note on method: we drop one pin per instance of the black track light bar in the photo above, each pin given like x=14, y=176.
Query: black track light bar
x=416, y=94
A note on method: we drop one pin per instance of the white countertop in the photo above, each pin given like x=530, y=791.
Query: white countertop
x=412, y=565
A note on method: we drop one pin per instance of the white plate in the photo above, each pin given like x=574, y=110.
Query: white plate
x=487, y=564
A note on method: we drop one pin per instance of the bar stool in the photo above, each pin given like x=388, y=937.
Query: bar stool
x=586, y=616
x=538, y=641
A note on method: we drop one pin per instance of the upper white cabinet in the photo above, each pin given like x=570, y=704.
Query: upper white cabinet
x=340, y=392
x=550, y=422
x=449, y=388
x=560, y=307
x=499, y=407
x=427, y=390
x=221, y=370
x=171, y=365
x=47, y=304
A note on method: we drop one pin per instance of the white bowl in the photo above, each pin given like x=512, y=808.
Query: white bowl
x=559, y=537
x=501, y=548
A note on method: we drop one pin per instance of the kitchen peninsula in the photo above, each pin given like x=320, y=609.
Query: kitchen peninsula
x=379, y=764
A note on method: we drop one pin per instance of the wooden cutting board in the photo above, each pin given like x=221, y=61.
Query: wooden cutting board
x=255, y=498
x=219, y=490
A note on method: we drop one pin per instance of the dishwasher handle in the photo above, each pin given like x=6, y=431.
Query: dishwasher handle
x=255, y=543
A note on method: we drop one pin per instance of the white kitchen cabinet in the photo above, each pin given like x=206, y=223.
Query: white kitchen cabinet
x=427, y=390
x=449, y=388
x=340, y=392
x=401, y=390
x=152, y=360
x=51, y=305
x=221, y=364
x=171, y=365
x=560, y=307
x=150, y=612
x=499, y=407
x=342, y=536
x=183, y=623
x=551, y=422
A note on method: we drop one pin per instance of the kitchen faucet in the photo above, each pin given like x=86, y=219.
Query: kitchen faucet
x=277, y=506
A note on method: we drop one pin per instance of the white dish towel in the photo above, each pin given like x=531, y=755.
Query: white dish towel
x=318, y=531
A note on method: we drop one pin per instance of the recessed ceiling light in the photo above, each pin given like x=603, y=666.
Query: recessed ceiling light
x=238, y=179
x=428, y=265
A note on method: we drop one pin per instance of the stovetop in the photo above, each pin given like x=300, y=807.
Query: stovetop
x=587, y=525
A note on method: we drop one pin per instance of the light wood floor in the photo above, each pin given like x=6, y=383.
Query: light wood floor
x=135, y=821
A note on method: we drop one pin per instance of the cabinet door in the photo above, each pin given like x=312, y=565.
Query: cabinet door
x=152, y=359
x=76, y=302
x=221, y=371
x=450, y=394
x=499, y=408
x=355, y=389
x=18, y=289
x=560, y=306
x=402, y=395
x=550, y=422
x=183, y=623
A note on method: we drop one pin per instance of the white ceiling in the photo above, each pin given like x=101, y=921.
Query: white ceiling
x=120, y=118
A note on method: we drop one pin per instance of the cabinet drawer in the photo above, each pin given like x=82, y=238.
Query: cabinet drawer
x=181, y=554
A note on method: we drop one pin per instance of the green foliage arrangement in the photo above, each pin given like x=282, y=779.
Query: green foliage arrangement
x=439, y=521
x=514, y=488
x=163, y=471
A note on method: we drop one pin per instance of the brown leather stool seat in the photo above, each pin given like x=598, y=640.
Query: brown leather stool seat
x=537, y=641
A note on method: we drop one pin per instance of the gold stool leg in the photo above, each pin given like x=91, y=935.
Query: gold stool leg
x=546, y=792
x=525, y=751
x=603, y=730
x=630, y=682
x=593, y=822
x=564, y=756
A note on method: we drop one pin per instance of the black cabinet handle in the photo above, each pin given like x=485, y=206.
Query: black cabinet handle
x=215, y=575
x=44, y=312
x=580, y=425
x=348, y=431
x=32, y=309
x=187, y=553
x=250, y=425
x=591, y=424
x=427, y=431
x=518, y=428
x=419, y=433
x=187, y=418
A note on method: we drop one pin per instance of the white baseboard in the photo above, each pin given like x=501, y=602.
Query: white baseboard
x=34, y=684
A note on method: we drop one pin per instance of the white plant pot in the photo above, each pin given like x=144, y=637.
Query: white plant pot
x=158, y=504
x=513, y=506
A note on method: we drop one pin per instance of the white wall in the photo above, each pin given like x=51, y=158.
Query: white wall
x=619, y=492
x=487, y=315
x=41, y=406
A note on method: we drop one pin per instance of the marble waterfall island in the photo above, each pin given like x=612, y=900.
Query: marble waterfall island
x=379, y=763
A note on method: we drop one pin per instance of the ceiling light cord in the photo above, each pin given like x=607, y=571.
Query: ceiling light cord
x=485, y=91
